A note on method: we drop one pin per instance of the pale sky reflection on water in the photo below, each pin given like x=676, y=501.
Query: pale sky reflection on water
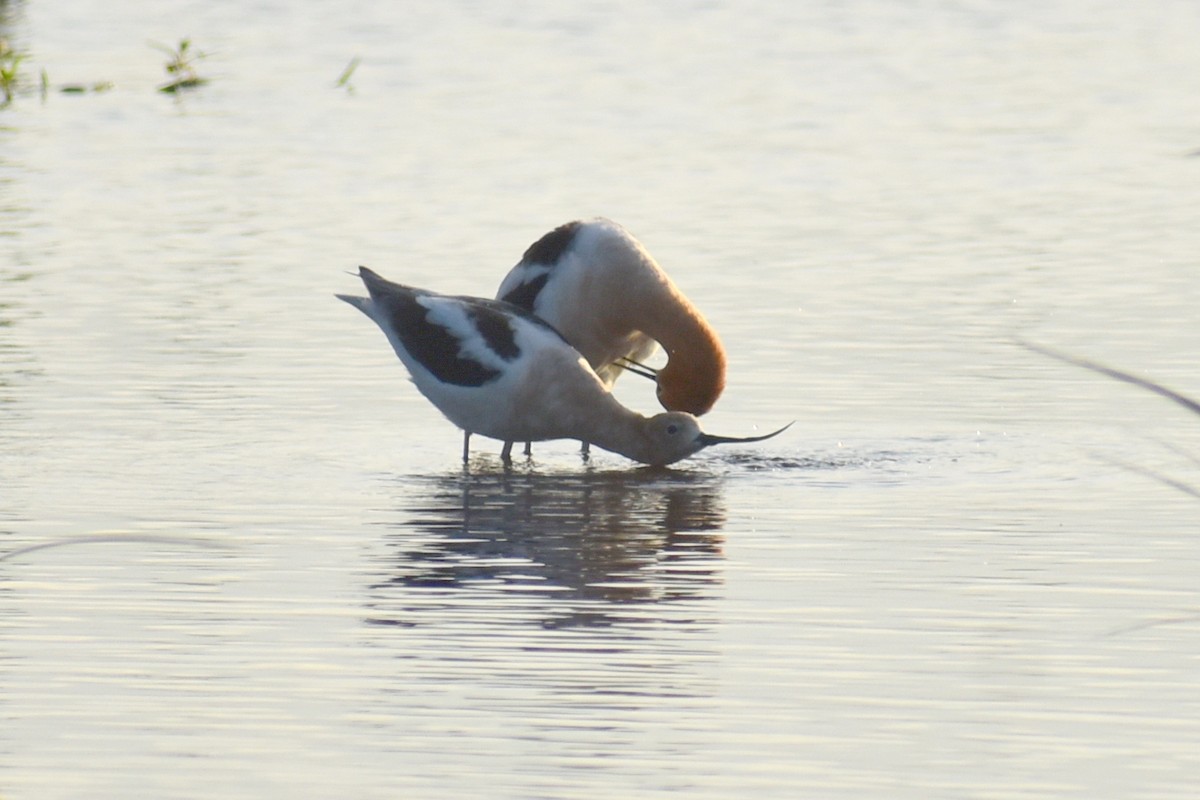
x=955, y=575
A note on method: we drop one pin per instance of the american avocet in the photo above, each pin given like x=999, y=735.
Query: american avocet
x=604, y=292
x=494, y=369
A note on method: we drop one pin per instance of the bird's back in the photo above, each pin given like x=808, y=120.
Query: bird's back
x=578, y=278
x=491, y=368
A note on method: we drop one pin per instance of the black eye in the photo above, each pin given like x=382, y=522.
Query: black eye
x=672, y=429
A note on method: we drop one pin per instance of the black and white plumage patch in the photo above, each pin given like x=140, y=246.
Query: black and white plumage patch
x=495, y=329
x=435, y=345
x=530, y=276
x=549, y=248
x=525, y=294
x=464, y=341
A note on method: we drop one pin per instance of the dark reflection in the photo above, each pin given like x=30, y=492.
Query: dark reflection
x=587, y=548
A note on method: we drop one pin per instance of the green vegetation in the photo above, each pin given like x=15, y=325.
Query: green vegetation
x=343, y=81
x=181, y=67
x=10, y=68
x=14, y=81
x=79, y=88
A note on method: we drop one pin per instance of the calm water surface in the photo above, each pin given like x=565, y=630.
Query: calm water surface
x=956, y=576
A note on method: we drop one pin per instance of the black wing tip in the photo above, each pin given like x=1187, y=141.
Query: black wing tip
x=376, y=283
x=368, y=274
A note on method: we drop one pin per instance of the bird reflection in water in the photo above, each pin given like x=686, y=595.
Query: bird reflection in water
x=594, y=548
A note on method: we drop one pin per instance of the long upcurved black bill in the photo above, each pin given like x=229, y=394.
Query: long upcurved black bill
x=637, y=368
x=707, y=439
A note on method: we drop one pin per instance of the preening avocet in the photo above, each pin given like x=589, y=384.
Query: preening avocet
x=604, y=292
x=494, y=369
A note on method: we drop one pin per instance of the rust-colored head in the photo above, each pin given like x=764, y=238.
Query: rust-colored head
x=632, y=294
x=693, y=379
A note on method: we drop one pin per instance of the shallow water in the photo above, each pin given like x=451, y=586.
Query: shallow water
x=268, y=574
